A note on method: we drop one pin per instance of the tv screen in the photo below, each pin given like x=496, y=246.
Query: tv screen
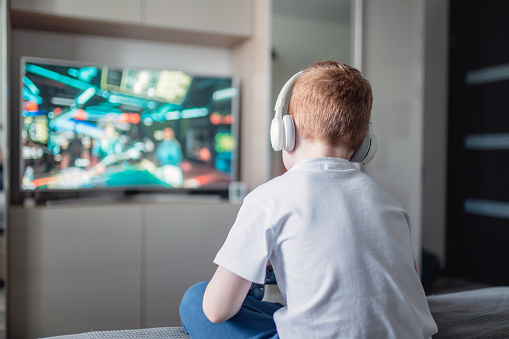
x=95, y=127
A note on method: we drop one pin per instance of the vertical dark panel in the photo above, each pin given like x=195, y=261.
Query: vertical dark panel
x=478, y=141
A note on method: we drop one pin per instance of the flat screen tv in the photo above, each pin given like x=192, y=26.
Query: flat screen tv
x=97, y=128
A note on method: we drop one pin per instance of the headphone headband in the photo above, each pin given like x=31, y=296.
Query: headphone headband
x=281, y=98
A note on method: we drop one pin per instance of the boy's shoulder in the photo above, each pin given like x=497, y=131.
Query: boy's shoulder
x=270, y=187
x=304, y=177
x=298, y=184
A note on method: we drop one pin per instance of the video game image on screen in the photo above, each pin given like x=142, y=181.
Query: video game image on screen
x=97, y=127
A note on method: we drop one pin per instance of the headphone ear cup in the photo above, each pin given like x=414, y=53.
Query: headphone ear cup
x=280, y=135
x=289, y=133
x=373, y=146
x=360, y=153
x=276, y=133
x=367, y=150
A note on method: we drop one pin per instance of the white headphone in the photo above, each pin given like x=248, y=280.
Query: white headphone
x=282, y=130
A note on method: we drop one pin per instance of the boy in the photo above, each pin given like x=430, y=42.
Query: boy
x=339, y=244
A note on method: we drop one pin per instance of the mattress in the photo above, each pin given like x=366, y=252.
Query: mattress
x=145, y=333
x=482, y=313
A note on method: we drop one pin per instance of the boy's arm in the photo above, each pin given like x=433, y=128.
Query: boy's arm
x=224, y=295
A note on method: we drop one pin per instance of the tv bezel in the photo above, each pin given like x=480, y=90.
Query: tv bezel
x=61, y=193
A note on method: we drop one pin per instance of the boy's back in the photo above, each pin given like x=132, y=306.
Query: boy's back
x=341, y=250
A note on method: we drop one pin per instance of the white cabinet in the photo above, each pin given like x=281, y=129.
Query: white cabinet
x=222, y=23
x=218, y=16
x=73, y=269
x=109, y=267
x=125, y=11
x=181, y=241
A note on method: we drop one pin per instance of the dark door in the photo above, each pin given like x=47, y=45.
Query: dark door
x=478, y=141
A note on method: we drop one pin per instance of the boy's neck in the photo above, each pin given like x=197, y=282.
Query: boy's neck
x=315, y=149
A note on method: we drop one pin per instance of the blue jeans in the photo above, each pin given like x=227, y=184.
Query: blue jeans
x=254, y=320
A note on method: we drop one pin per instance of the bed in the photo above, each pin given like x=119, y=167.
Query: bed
x=144, y=333
x=481, y=313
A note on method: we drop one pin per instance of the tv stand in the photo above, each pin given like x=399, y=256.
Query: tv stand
x=127, y=263
x=134, y=198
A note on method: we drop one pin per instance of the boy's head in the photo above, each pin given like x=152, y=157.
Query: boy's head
x=331, y=103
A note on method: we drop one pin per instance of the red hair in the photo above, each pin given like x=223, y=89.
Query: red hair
x=331, y=102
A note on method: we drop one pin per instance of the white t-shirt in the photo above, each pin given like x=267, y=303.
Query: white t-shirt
x=341, y=251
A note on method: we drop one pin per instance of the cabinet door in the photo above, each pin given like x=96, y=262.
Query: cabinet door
x=123, y=11
x=230, y=17
x=73, y=269
x=181, y=240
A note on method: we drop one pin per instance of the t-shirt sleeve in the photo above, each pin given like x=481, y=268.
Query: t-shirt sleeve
x=249, y=243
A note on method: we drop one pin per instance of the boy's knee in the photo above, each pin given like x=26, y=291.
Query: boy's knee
x=193, y=297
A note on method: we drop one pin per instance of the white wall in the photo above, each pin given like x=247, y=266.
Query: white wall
x=251, y=61
x=393, y=59
x=299, y=42
x=121, y=52
x=435, y=128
